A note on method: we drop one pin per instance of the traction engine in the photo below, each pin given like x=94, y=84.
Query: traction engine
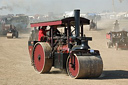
x=67, y=51
x=117, y=39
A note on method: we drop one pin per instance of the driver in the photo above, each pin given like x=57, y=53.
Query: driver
x=42, y=33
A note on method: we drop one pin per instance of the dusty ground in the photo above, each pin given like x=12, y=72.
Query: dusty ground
x=15, y=67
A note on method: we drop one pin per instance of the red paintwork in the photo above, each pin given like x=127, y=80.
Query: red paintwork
x=30, y=51
x=64, y=48
x=46, y=23
x=108, y=36
x=39, y=65
x=73, y=72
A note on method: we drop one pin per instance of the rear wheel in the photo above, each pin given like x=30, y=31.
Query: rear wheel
x=41, y=53
x=16, y=34
x=84, y=66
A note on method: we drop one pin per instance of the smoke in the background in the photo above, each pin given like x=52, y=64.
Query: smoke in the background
x=57, y=6
x=15, y=6
x=38, y=6
x=6, y=7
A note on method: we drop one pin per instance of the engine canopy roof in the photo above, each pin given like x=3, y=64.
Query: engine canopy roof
x=61, y=22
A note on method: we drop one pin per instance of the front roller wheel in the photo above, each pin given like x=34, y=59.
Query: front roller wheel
x=9, y=35
x=84, y=66
x=40, y=57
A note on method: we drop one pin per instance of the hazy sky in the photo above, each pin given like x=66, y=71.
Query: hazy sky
x=59, y=6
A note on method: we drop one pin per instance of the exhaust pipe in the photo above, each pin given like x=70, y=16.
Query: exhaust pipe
x=77, y=22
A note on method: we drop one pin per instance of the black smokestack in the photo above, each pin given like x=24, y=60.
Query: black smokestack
x=77, y=22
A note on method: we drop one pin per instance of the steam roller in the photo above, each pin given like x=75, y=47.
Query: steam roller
x=67, y=51
x=12, y=33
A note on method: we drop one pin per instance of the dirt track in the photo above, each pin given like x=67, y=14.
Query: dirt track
x=16, y=69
